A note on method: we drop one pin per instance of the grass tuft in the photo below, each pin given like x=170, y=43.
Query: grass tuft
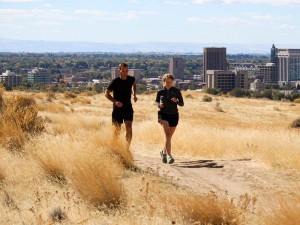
x=58, y=215
x=97, y=181
x=283, y=211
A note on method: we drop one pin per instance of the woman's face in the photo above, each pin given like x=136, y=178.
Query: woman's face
x=168, y=83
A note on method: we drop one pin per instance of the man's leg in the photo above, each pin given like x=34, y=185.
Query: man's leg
x=128, y=125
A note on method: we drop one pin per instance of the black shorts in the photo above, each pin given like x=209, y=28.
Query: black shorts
x=119, y=115
x=171, y=118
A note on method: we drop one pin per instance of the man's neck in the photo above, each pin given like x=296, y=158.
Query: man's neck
x=124, y=77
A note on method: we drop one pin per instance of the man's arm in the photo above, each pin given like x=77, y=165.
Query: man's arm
x=109, y=97
x=134, y=92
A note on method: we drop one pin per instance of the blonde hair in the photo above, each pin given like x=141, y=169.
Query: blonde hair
x=167, y=76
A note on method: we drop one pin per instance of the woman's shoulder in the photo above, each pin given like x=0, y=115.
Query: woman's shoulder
x=175, y=88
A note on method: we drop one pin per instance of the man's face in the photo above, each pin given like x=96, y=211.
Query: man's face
x=124, y=71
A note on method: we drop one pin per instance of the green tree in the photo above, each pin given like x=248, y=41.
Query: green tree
x=278, y=95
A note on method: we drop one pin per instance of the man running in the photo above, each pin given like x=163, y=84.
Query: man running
x=122, y=87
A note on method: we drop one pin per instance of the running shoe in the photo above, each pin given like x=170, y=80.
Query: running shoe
x=163, y=157
x=171, y=160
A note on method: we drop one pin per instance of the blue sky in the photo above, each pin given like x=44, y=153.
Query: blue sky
x=130, y=21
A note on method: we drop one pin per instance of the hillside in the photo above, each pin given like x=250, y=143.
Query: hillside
x=237, y=162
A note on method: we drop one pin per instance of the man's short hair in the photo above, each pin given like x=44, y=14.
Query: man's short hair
x=122, y=65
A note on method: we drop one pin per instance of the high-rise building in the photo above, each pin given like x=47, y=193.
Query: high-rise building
x=114, y=72
x=227, y=80
x=288, y=62
x=38, y=75
x=10, y=79
x=273, y=54
x=176, y=67
x=135, y=73
x=214, y=59
x=268, y=73
x=131, y=72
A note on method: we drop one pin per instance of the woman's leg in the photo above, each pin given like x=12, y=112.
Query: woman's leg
x=168, y=135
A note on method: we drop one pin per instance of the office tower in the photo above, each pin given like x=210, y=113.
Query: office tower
x=131, y=72
x=135, y=73
x=38, y=75
x=10, y=79
x=214, y=59
x=273, y=54
x=288, y=65
x=268, y=73
x=176, y=67
x=227, y=80
x=114, y=72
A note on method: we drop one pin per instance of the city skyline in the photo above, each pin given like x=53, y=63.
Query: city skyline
x=134, y=21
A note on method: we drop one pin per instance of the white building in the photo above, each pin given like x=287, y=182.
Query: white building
x=10, y=79
x=288, y=65
x=257, y=85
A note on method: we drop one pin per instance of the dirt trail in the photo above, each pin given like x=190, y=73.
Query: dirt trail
x=236, y=177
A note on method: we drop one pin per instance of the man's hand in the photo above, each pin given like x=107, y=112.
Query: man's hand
x=135, y=98
x=118, y=104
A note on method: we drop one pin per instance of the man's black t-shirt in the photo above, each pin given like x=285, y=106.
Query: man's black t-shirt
x=122, y=90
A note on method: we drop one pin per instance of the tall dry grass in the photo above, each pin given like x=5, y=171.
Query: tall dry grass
x=97, y=182
x=18, y=117
x=160, y=199
x=1, y=97
x=2, y=174
x=79, y=145
x=283, y=211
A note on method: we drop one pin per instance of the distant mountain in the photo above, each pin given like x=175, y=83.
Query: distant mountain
x=9, y=45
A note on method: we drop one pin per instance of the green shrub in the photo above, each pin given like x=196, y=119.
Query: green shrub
x=267, y=94
x=296, y=123
x=206, y=98
x=278, y=96
x=237, y=92
x=212, y=91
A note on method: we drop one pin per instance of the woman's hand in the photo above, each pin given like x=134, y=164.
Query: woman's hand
x=174, y=99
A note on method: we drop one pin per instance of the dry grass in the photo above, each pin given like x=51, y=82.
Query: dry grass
x=80, y=152
x=19, y=116
x=97, y=182
x=2, y=174
x=283, y=211
x=213, y=209
x=1, y=98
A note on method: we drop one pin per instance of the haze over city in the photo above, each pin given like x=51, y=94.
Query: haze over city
x=134, y=21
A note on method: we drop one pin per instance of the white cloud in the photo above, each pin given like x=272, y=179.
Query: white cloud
x=11, y=26
x=229, y=21
x=175, y=3
x=134, y=1
x=268, y=2
x=262, y=17
x=12, y=14
x=287, y=27
x=101, y=15
x=48, y=5
x=47, y=23
x=129, y=15
x=22, y=14
x=19, y=1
